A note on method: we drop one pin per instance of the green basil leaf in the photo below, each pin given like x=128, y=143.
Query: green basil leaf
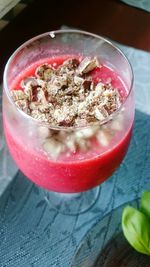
x=136, y=228
x=145, y=203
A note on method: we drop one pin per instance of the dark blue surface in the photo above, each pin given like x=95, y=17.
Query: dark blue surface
x=33, y=234
x=104, y=245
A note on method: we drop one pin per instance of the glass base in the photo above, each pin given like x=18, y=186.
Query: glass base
x=71, y=204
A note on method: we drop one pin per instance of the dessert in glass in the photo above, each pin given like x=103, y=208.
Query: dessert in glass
x=68, y=112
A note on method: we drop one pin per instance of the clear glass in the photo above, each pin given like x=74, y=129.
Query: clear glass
x=103, y=146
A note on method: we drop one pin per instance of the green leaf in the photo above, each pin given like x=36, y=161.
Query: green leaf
x=136, y=228
x=145, y=203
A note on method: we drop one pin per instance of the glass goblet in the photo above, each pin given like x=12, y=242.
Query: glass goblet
x=68, y=177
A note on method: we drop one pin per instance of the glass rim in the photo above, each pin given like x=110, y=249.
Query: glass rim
x=52, y=35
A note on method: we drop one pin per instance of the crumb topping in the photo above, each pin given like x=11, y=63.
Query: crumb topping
x=67, y=95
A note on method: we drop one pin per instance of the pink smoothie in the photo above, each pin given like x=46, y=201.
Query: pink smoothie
x=81, y=170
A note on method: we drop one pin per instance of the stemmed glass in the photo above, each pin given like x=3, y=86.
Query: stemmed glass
x=69, y=182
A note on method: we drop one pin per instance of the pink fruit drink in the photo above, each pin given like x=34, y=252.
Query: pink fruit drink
x=77, y=171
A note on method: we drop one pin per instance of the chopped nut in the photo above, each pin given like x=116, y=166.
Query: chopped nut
x=56, y=83
x=87, y=85
x=61, y=97
x=70, y=142
x=86, y=133
x=36, y=114
x=44, y=72
x=83, y=145
x=69, y=91
x=87, y=65
x=99, y=89
x=33, y=105
x=23, y=105
x=71, y=63
x=29, y=81
x=43, y=132
x=46, y=108
x=90, y=132
x=116, y=125
x=52, y=89
x=80, y=122
x=81, y=107
x=104, y=137
x=41, y=96
x=78, y=80
x=65, y=116
x=100, y=113
x=17, y=95
x=53, y=148
x=28, y=93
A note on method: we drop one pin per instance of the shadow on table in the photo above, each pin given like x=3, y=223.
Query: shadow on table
x=118, y=253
